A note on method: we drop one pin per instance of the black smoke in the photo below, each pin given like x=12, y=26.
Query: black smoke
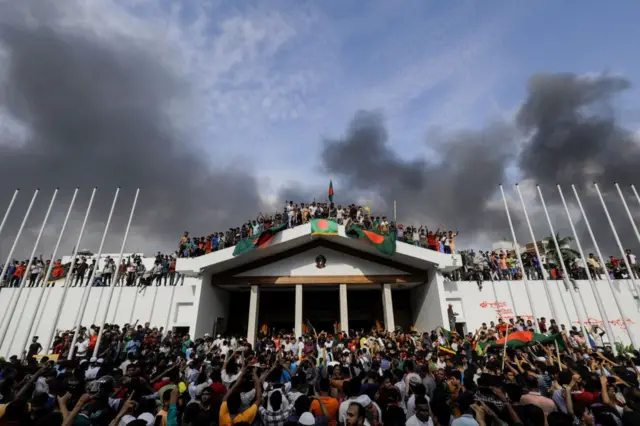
x=565, y=132
x=98, y=112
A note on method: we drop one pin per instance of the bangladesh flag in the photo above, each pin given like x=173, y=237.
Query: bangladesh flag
x=59, y=271
x=384, y=243
x=520, y=339
x=331, y=191
x=261, y=240
x=324, y=227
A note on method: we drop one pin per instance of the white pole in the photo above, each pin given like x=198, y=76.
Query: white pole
x=13, y=248
x=23, y=281
x=565, y=274
x=115, y=309
x=124, y=242
x=56, y=317
x=626, y=208
x=173, y=294
x=606, y=273
x=139, y=288
x=545, y=286
x=89, y=286
x=618, y=242
x=517, y=249
x=47, y=274
x=633, y=188
x=6, y=214
x=153, y=303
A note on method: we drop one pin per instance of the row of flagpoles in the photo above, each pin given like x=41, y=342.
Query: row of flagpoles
x=570, y=288
x=8, y=315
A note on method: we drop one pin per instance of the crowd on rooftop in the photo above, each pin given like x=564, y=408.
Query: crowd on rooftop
x=476, y=266
x=142, y=375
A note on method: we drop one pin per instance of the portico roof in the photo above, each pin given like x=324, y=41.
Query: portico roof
x=299, y=239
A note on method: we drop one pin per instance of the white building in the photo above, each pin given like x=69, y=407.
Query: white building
x=284, y=284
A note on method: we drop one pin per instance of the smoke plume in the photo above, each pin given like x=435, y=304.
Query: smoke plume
x=93, y=111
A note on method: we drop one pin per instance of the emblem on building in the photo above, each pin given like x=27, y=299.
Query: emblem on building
x=321, y=261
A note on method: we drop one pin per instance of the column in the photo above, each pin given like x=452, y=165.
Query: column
x=254, y=307
x=387, y=308
x=344, y=309
x=298, y=316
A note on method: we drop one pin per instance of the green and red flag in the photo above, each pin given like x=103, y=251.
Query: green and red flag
x=331, y=191
x=520, y=339
x=59, y=271
x=324, y=227
x=261, y=240
x=384, y=243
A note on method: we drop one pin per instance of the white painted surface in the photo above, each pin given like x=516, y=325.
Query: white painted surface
x=344, y=308
x=476, y=306
x=298, y=311
x=254, y=304
x=337, y=264
x=387, y=308
x=428, y=303
x=185, y=296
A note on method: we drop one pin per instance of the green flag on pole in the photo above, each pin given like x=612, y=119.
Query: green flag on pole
x=331, y=191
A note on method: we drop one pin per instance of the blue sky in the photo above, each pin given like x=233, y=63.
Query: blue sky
x=285, y=74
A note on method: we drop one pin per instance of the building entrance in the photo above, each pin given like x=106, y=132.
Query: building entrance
x=276, y=314
x=321, y=307
x=365, y=309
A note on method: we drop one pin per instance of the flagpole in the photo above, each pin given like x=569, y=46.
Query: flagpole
x=112, y=287
x=618, y=242
x=89, y=286
x=519, y=256
x=606, y=273
x=633, y=188
x=47, y=274
x=6, y=214
x=626, y=208
x=537, y=250
x=594, y=289
x=394, y=213
x=504, y=349
x=23, y=281
x=153, y=303
x=565, y=274
x=56, y=317
x=10, y=256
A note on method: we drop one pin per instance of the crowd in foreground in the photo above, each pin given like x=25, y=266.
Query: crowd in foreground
x=148, y=376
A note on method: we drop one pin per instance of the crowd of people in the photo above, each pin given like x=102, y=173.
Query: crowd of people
x=143, y=375
x=503, y=265
x=86, y=270
x=295, y=214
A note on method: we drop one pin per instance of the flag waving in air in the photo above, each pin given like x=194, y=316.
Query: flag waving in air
x=331, y=191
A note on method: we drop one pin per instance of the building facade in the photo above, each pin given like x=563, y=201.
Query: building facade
x=327, y=281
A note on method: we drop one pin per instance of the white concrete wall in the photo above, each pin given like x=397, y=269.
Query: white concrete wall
x=429, y=312
x=337, y=264
x=214, y=304
x=477, y=306
x=184, y=312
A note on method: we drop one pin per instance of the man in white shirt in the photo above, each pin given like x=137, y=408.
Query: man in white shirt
x=422, y=416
